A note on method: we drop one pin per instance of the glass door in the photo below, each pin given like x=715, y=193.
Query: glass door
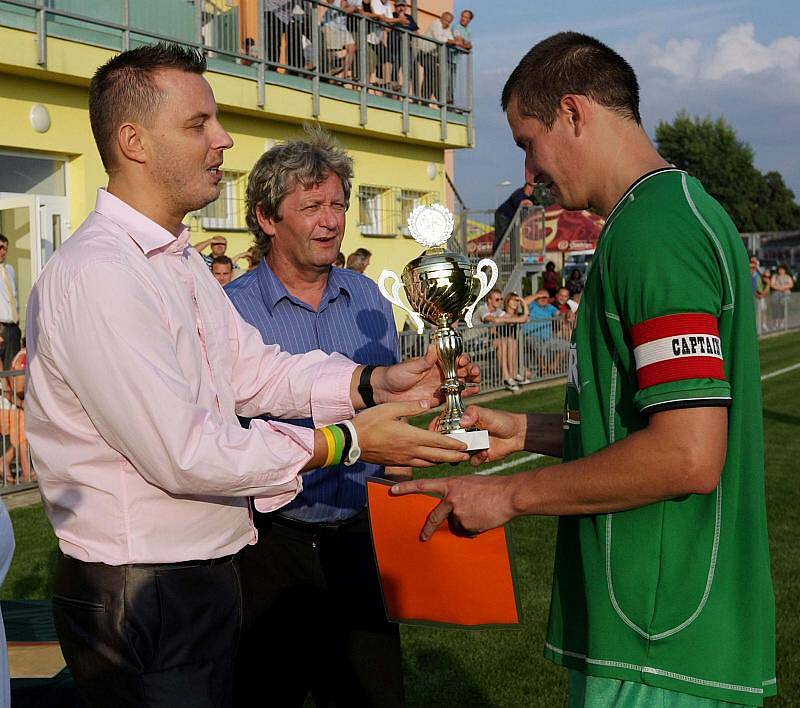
x=34, y=226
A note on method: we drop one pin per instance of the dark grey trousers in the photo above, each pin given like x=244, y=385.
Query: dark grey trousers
x=149, y=635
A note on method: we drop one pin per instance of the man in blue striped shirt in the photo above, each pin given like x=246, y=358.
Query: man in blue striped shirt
x=313, y=610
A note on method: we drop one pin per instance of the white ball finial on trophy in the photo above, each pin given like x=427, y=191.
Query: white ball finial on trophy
x=442, y=287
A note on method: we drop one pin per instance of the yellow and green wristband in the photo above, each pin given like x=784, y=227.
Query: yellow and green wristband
x=342, y=442
x=336, y=445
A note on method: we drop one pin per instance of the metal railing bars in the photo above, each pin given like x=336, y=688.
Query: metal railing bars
x=306, y=38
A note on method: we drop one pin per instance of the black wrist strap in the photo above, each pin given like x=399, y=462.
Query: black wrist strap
x=365, y=386
x=348, y=440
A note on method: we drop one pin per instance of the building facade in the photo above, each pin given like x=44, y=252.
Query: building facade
x=273, y=66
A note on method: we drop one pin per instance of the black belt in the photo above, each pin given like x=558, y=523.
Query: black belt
x=314, y=528
x=204, y=562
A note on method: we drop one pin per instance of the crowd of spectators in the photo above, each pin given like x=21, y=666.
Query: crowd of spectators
x=290, y=44
x=771, y=288
x=542, y=323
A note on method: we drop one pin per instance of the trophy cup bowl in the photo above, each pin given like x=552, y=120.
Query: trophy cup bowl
x=442, y=287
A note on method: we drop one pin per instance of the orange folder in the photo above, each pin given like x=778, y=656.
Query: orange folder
x=448, y=580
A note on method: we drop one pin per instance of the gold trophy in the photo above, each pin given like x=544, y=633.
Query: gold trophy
x=442, y=287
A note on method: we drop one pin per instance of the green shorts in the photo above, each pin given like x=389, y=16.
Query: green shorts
x=596, y=692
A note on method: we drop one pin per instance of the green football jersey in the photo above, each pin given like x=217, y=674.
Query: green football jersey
x=676, y=594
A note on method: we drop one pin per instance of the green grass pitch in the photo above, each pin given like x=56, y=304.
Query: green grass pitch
x=505, y=668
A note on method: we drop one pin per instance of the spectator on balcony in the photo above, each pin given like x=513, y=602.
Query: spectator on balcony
x=379, y=14
x=219, y=244
x=222, y=270
x=278, y=18
x=462, y=33
x=394, y=44
x=439, y=30
x=340, y=45
x=462, y=36
x=503, y=215
x=310, y=583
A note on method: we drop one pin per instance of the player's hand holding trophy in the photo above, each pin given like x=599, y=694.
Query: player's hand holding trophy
x=442, y=287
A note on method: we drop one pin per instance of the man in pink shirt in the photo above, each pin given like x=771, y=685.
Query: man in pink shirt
x=138, y=367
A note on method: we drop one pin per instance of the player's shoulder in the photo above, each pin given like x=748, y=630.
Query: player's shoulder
x=668, y=214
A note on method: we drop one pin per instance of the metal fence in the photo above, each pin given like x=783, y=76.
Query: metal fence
x=528, y=353
x=539, y=350
x=14, y=451
x=523, y=353
x=307, y=39
x=777, y=312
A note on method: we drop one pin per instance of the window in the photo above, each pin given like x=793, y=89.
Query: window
x=372, y=219
x=227, y=212
x=409, y=200
x=32, y=174
x=384, y=211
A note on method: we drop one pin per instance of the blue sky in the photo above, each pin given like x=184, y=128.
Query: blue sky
x=738, y=59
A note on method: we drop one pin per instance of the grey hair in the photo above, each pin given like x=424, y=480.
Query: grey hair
x=304, y=161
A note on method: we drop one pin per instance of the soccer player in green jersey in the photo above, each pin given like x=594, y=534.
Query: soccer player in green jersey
x=661, y=592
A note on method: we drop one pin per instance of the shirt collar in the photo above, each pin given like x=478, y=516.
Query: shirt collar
x=273, y=290
x=145, y=232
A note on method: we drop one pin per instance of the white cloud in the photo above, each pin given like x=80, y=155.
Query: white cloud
x=679, y=57
x=736, y=52
x=755, y=86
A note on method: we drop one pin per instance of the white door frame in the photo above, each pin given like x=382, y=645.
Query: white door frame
x=45, y=212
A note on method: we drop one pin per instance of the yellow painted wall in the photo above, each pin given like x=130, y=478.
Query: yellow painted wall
x=383, y=155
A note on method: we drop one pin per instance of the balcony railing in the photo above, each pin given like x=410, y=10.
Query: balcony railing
x=307, y=44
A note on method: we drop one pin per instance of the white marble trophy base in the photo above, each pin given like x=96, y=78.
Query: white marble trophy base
x=475, y=439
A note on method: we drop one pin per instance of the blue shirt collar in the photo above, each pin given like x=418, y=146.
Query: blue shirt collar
x=273, y=290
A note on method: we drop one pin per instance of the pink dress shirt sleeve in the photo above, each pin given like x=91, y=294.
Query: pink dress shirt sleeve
x=113, y=343
x=282, y=385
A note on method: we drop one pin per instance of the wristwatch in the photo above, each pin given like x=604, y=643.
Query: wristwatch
x=352, y=450
x=365, y=386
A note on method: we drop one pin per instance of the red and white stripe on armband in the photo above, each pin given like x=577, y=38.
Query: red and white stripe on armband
x=677, y=347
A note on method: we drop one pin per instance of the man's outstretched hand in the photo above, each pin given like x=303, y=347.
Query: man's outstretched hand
x=421, y=378
x=471, y=504
x=506, y=432
x=386, y=439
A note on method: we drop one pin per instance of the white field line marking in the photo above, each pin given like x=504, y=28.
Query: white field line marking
x=535, y=456
x=511, y=463
x=785, y=370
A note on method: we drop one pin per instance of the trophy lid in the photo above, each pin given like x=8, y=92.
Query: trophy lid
x=431, y=225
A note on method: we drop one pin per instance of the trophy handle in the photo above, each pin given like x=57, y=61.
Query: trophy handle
x=486, y=285
x=394, y=297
